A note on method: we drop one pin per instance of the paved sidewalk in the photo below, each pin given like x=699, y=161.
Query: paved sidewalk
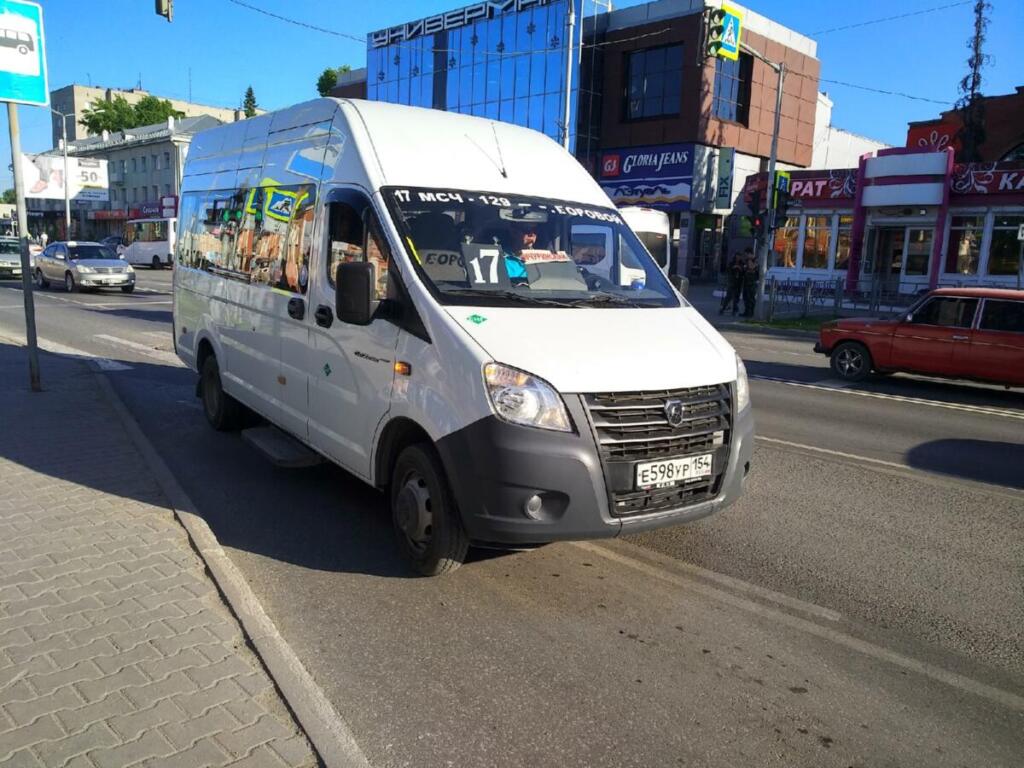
x=115, y=647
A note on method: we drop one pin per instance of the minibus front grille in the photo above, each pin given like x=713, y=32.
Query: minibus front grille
x=633, y=427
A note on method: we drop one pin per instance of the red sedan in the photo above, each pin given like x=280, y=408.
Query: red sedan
x=967, y=333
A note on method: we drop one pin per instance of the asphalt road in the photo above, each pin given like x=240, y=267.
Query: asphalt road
x=863, y=604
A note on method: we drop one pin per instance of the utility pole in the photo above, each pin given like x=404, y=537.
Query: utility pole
x=764, y=244
x=570, y=51
x=67, y=180
x=26, y=268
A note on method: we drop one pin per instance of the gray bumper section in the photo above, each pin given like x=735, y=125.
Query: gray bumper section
x=494, y=467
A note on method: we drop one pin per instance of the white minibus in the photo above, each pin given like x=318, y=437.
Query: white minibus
x=653, y=228
x=397, y=289
x=149, y=242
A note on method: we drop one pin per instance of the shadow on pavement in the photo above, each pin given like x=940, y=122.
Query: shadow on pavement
x=984, y=461
x=321, y=518
x=162, y=316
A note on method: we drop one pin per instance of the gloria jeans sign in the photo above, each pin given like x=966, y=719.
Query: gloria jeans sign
x=656, y=176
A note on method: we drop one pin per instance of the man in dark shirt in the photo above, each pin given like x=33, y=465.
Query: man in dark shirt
x=733, y=285
x=750, y=276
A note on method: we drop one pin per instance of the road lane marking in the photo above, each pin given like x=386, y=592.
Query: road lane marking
x=845, y=388
x=830, y=452
x=157, y=354
x=664, y=572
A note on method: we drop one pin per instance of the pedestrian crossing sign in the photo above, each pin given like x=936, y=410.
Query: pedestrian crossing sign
x=732, y=29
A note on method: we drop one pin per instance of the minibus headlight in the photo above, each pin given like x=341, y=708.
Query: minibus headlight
x=520, y=398
x=742, y=385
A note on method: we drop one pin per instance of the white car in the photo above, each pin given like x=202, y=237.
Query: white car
x=77, y=265
x=10, y=258
x=412, y=310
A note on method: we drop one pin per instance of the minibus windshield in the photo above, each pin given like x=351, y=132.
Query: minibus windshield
x=501, y=250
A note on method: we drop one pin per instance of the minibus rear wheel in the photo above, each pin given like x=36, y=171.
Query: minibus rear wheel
x=222, y=410
x=424, y=514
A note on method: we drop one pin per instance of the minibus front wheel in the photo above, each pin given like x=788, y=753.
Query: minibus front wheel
x=222, y=410
x=424, y=514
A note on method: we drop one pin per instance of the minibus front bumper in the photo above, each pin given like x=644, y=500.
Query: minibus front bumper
x=518, y=486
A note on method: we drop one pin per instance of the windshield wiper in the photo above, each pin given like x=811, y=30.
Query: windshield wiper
x=522, y=298
x=599, y=298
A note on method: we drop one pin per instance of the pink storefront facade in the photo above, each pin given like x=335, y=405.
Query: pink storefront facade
x=904, y=220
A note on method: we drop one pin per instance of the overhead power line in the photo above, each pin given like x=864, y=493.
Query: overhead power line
x=887, y=93
x=509, y=54
x=893, y=18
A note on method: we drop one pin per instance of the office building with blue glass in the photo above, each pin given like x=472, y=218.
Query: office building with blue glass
x=648, y=111
x=501, y=60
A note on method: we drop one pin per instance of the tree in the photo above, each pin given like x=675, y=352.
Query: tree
x=114, y=115
x=150, y=110
x=344, y=68
x=118, y=115
x=328, y=79
x=971, y=104
x=249, y=102
x=9, y=198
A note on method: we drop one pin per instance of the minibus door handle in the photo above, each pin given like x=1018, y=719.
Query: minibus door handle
x=324, y=316
x=296, y=308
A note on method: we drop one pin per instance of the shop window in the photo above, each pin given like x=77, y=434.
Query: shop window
x=843, y=238
x=816, y=242
x=1002, y=316
x=784, y=247
x=654, y=82
x=731, y=96
x=919, y=251
x=963, y=249
x=1005, y=249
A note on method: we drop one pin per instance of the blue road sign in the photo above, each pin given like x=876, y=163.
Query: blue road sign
x=22, y=54
x=732, y=30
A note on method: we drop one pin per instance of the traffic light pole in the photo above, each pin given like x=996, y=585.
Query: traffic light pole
x=764, y=243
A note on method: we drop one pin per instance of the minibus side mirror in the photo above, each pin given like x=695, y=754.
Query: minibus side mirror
x=353, y=296
x=681, y=283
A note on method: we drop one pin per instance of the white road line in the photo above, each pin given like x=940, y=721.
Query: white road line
x=846, y=389
x=830, y=452
x=665, y=571
x=157, y=354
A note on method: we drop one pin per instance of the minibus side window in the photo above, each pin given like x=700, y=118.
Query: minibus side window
x=345, y=236
x=354, y=235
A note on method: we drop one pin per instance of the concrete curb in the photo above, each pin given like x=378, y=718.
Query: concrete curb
x=329, y=734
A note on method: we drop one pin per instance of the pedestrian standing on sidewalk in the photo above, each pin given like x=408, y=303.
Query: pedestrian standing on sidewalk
x=733, y=285
x=750, y=276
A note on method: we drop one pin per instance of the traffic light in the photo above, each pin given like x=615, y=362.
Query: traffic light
x=716, y=29
x=165, y=8
x=781, y=192
x=757, y=217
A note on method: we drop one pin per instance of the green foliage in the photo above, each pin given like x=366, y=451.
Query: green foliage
x=249, y=102
x=118, y=115
x=9, y=197
x=327, y=80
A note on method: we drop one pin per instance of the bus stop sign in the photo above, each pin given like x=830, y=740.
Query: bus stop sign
x=22, y=54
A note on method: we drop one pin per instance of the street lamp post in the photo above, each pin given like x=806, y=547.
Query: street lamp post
x=67, y=181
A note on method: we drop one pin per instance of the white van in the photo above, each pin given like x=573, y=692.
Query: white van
x=653, y=228
x=149, y=241
x=395, y=288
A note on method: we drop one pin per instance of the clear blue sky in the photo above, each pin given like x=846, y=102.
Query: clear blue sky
x=227, y=48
